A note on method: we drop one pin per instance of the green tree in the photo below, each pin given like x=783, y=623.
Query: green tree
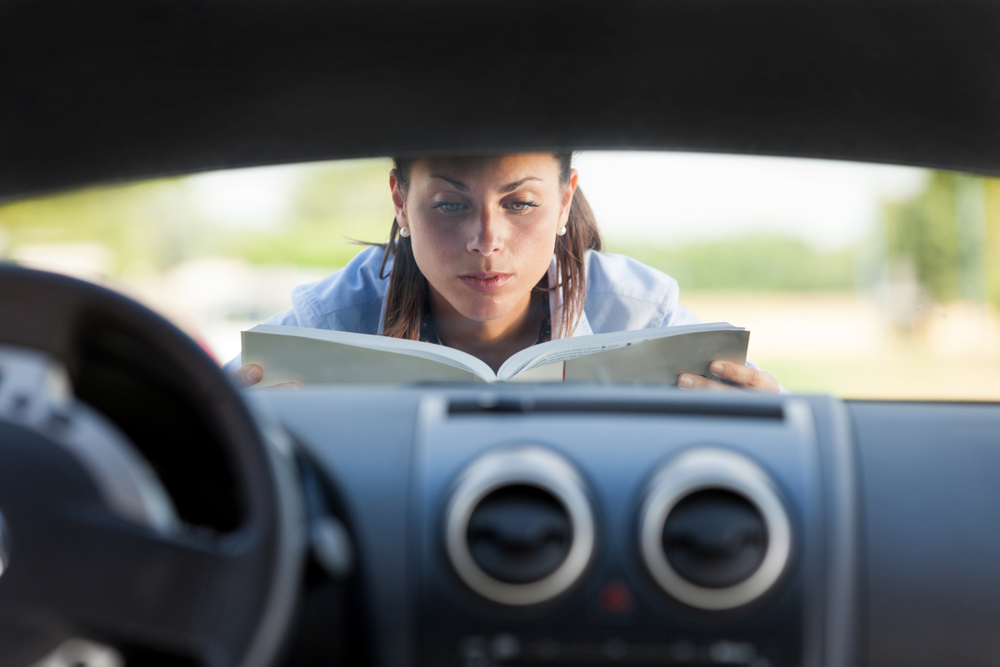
x=992, y=245
x=924, y=232
x=950, y=234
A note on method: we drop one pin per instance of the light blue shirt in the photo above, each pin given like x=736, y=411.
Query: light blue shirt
x=622, y=295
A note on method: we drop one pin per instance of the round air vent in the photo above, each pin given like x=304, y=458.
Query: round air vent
x=713, y=532
x=715, y=538
x=519, y=529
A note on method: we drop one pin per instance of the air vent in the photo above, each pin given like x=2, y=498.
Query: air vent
x=519, y=534
x=715, y=538
x=519, y=529
x=713, y=532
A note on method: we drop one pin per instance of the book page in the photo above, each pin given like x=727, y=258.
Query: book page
x=541, y=373
x=661, y=360
x=564, y=349
x=319, y=356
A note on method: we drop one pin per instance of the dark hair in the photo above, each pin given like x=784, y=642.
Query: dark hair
x=407, y=296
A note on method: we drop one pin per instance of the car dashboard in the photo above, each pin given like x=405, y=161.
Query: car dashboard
x=565, y=525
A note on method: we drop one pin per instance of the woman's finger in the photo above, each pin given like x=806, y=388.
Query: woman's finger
x=744, y=376
x=248, y=375
x=691, y=381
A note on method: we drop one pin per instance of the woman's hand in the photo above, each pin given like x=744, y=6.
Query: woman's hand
x=742, y=377
x=251, y=374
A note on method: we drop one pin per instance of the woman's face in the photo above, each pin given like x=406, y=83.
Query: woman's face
x=483, y=230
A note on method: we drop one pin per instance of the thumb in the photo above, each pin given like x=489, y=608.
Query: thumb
x=248, y=375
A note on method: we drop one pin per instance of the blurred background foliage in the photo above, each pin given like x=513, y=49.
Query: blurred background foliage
x=335, y=205
x=155, y=225
x=130, y=221
x=946, y=235
x=757, y=262
x=941, y=238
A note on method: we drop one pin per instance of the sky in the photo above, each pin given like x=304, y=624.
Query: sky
x=690, y=196
x=670, y=197
x=257, y=198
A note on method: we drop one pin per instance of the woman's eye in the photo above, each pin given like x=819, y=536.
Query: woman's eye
x=521, y=205
x=449, y=206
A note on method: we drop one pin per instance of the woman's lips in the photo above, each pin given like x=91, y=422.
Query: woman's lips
x=483, y=281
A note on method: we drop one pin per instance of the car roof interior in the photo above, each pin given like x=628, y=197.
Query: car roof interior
x=112, y=90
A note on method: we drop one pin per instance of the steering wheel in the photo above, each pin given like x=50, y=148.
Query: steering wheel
x=143, y=506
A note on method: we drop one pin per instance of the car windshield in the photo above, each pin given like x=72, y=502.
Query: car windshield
x=857, y=280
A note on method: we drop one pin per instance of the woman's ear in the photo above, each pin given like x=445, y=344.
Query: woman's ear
x=398, y=200
x=568, y=193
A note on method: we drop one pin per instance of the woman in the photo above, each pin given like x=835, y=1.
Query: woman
x=490, y=255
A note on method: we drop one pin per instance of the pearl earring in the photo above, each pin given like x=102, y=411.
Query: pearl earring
x=405, y=232
x=561, y=231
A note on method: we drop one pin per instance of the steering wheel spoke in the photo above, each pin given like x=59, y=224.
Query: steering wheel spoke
x=77, y=565
x=128, y=589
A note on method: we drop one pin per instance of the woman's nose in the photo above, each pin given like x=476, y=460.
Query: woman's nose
x=486, y=235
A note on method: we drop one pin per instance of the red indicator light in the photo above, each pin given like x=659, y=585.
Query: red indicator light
x=616, y=598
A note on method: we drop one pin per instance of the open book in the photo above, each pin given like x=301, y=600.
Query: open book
x=317, y=356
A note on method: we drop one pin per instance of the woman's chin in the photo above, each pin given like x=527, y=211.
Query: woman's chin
x=484, y=315
x=485, y=311
x=487, y=307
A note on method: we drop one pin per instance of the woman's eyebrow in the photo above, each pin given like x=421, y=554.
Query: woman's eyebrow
x=514, y=186
x=510, y=187
x=459, y=185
